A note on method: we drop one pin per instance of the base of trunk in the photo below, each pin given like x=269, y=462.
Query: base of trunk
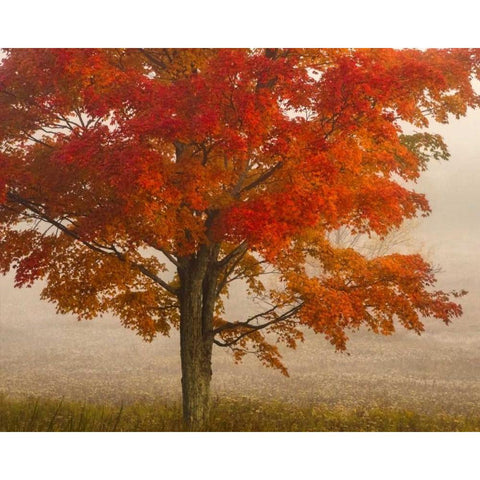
x=197, y=302
x=196, y=402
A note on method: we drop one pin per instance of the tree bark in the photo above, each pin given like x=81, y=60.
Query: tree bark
x=197, y=301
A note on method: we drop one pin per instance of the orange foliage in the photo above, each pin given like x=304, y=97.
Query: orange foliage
x=115, y=164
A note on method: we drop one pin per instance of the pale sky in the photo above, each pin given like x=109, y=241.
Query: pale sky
x=452, y=231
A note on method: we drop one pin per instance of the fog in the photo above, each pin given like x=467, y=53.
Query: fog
x=42, y=353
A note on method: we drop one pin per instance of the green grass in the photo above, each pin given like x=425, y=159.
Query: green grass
x=241, y=414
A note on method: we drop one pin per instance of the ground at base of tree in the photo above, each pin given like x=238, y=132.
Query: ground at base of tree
x=227, y=415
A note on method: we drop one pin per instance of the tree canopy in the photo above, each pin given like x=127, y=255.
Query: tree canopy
x=121, y=167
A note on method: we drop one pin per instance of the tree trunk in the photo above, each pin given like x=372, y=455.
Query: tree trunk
x=197, y=301
x=196, y=356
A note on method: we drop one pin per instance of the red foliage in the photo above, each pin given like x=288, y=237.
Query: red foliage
x=139, y=156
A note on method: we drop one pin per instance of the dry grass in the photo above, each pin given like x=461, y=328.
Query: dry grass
x=435, y=376
x=228, y=415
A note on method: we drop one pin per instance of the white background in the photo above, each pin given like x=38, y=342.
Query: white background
x=233, y=24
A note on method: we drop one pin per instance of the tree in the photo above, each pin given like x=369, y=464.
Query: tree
x=372, y=246
x=144, y=182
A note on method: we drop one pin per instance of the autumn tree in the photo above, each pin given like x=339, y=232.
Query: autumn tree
x=144, y=182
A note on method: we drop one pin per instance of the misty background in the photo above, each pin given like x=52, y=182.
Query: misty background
x=45, y=354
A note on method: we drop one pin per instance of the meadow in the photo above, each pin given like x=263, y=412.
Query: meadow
x=59, y=374
x=227, y=415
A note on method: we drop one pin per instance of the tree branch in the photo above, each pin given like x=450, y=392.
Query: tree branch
x=262, y=178
x=110, y=250
x=36, y=140
x=241, y=249
x=153, y=59
x=167, y=254
x=253, y=328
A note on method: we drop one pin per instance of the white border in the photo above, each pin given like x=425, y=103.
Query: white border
x=89, y=23
x=240, y=456
x=246, y=23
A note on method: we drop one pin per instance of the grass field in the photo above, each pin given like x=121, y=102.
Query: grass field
x=228, y=415
x=403, y=382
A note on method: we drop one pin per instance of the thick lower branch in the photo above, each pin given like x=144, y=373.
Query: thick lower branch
x=103, y=249
x=254, y=328
x=262, y=178
x=238, y=251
